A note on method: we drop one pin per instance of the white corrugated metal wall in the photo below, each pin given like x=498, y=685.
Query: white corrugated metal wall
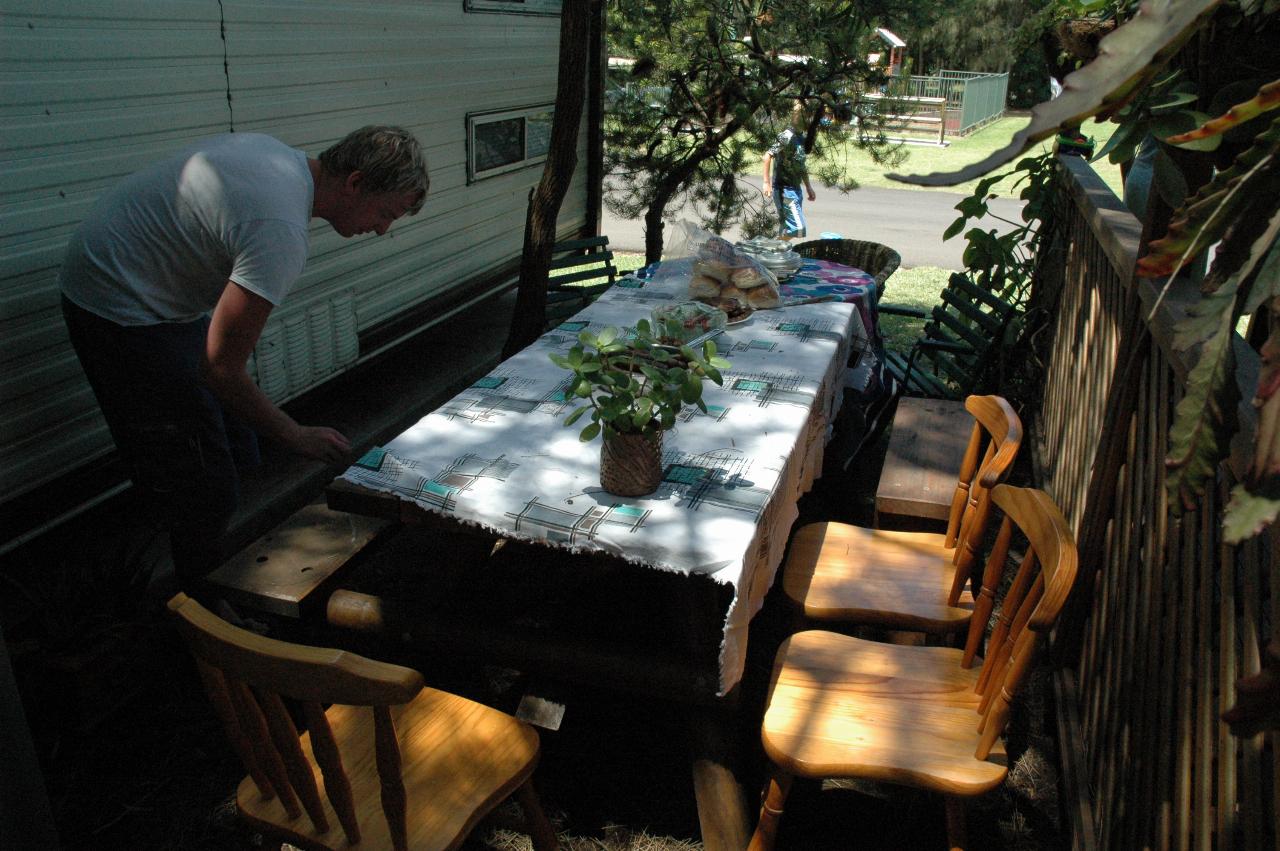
x=95, y=90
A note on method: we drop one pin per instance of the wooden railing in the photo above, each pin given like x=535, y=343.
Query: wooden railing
x=1166, y=616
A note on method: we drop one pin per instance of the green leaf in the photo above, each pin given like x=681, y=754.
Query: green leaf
x=1130, y=133
x=692, y=390
x=589, y=432
x=1247, y=515
x=607, y=336
x=582, y=388
x=559, y=360
x=954, y=228
x=1206, y=143
x=1204, y=419
x=1168, y=180
x=1173, y=101
x=576, y=415
x=589, y=367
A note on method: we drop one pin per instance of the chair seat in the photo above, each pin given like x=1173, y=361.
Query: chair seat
x=874, y=577
x=459, y=758
x=845, y=707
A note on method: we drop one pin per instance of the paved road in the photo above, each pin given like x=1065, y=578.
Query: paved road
x=911, y=221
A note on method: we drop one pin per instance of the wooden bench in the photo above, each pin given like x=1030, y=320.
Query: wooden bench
x=572, y=263
x=927, y=442
x=293, y=567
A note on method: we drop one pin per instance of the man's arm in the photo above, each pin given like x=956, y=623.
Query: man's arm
x=768, y=167
x=237, y=322
x=808, y=187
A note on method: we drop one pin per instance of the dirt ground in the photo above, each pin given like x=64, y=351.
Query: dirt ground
x=133, y=757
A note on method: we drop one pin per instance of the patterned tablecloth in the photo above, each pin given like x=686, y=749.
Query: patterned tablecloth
x=498, y=456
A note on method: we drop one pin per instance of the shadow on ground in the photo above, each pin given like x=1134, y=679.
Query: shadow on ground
x=133, y=757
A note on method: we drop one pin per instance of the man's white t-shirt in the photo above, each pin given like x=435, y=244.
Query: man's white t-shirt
x=161, y=246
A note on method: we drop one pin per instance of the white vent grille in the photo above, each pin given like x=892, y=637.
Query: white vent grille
x=301, y=349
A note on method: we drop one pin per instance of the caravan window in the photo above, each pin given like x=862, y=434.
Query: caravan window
x=499, y=142
x=514, y=7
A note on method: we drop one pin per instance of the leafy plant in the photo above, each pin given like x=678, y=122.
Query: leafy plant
x=635, y=384
x=1005, y=262
x=1237, y=209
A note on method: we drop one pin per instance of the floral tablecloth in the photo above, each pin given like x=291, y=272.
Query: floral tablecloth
x=498, y=456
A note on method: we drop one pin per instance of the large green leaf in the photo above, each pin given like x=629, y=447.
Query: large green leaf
x=1240, y=193
x=1204, y=419
x=1128, y=58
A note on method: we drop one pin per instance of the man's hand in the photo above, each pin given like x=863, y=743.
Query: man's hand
x=321, y=443
x=812, y=195
x=234, y=329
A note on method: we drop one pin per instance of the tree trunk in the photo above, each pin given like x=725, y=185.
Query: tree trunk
x=562, y=159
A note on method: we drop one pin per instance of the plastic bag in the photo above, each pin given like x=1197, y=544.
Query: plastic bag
x=716, y=272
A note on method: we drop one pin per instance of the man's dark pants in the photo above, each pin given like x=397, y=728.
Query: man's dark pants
x=180, y=447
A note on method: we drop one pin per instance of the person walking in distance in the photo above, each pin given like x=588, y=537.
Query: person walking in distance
x=785, y=174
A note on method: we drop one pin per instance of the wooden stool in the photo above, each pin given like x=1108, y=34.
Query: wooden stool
x=926, y=445
x=283, y=571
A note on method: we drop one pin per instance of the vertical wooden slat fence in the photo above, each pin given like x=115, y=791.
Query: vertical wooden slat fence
x=1167, y=615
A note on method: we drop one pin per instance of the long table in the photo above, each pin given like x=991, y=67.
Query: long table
x=497, y=459
x=497, y=456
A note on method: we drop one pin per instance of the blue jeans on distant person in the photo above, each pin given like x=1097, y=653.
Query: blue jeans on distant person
x=181, y=449
x=790, y=203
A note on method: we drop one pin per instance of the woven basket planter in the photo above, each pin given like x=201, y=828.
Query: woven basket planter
x=631, y=464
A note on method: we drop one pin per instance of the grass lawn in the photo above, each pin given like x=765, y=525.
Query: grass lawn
x=962, y=150
x=919, y=288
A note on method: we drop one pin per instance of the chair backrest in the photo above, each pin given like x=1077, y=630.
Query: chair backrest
x=952, y=356
x=572, y=263
x=993, y=446
x=1030, y=607
x=879, y=261
x=581, y=260
x=246, y=677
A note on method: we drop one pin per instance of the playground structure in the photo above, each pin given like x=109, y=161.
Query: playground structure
x=952, y=103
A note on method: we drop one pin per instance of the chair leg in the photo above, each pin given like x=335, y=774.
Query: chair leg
x=536, y=824
x=956, y=839
x=775, y=795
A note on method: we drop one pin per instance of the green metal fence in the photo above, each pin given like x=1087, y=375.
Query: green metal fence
x=974, y=98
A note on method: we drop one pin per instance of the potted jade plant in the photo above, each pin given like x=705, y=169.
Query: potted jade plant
x=633, y=390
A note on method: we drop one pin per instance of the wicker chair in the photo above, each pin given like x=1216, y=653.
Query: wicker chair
x=873, y=258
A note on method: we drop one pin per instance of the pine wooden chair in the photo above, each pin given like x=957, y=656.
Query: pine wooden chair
x=925, y=717
x=879, y=261
x=418, y=769
x=846, y=575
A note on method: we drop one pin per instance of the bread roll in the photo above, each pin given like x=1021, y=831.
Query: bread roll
x=763, y=297
x=748, y=277
x=712, y=269
x=703, y=287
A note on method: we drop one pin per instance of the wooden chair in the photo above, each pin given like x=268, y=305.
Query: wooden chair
x=836, y=573
x=417, y=770
x=840, y=706
x=952, y=356
x=879, y=261
x=573, y=262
